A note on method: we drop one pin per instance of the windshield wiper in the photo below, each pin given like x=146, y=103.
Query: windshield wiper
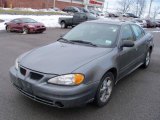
x=65, y=40
x=84, y=42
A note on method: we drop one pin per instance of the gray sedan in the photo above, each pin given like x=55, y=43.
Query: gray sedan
x=84, y=65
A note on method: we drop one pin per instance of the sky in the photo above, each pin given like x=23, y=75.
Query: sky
x=113, y=5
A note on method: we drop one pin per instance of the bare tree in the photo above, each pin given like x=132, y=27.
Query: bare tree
x=150, y=6
x=156, y=11
x=125, y=5
x=140, y=6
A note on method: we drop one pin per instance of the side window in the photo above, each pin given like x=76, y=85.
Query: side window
x=82, y=16
x=76, y=15
x=69, y=9
x=16, y=21
x=127, y=33
x=139, y=32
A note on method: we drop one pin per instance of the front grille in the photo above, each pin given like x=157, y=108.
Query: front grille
x=23, y=71
x=35, y=76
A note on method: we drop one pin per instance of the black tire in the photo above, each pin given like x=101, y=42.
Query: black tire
x=25, y=30
x=8, y=29
x=63, y=24
x=147, y=59
x=41, y=31
x=99, y=101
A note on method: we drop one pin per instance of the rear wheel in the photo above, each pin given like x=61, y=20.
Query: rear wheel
x=105, y=89
x=147, y=59
x=25, y=30
x=8, y=29
x=63, y=24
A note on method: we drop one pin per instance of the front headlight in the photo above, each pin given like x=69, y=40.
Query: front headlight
x=70, y=79
x=16, y=64
x=30, y=25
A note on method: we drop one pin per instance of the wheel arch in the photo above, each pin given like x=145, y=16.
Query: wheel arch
x=63, y=21
x=114, y=71
x=151, y=48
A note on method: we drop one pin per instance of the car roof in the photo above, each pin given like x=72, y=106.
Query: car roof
x=115, y=22
x=22, y=18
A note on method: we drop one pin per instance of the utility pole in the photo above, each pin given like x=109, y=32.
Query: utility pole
x=107, y=5
x=151, y=1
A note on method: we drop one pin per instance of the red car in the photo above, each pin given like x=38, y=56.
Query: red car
x=25, y=25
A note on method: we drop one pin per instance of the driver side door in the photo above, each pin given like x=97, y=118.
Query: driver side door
x=16, y=25
x=126, y=55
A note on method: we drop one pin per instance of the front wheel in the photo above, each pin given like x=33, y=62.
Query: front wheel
x=8, y=29
x=105, y=89
x=25, y=30
x=147, y=60
x=63, y=25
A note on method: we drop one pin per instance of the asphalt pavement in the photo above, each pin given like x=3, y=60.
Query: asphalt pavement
x=136, y=97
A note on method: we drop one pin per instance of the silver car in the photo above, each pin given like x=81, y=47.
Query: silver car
x=84, y=65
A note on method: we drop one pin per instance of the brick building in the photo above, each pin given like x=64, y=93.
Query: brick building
x=41, y=4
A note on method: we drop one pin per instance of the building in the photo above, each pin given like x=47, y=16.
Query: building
x=41, y=4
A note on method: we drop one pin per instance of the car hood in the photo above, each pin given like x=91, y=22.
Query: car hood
x=61, y=58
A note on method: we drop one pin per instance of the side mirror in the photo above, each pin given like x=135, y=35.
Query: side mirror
x=127, y=43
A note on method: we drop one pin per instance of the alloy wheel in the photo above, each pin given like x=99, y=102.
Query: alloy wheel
x=8, y=29
x=148, y=58
x=106, y=89
x=63, y=25
x=25, y=31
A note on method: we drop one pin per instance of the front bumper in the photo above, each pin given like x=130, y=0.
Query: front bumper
x=34, y=30
x=53, y=95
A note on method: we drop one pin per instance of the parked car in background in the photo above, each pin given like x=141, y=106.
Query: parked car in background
x=150, y=24
x=113, y=14
x=93, y=12
x=25, y=25
x=140, y=22
x=1, y=20
x=97, y=13
x=100, y=14
x=76, y=19
x=157, y=20
x=158, y=23
x=84, y=65
x=129, y=15
x=82, y=9
x=71, y=9
x=56, y=9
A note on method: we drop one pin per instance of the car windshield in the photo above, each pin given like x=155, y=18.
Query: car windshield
x=28, y=20
x=100, y=34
